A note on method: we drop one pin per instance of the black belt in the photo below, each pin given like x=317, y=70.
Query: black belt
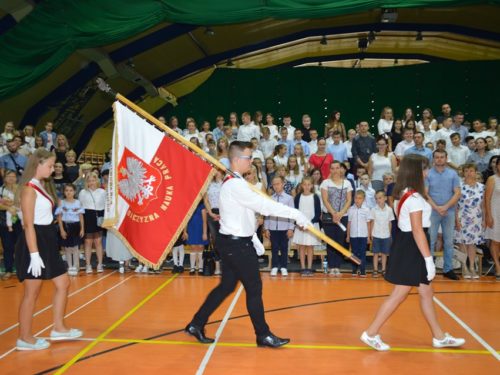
x=231, y=237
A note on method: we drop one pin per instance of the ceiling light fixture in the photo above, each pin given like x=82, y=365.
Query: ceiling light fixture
x=389, y=15
x=419, y=36
x=323, y=41
x=229, y=62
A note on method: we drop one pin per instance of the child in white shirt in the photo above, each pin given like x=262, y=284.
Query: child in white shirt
x=358, y=231
x=382, y=216
x=366, y=186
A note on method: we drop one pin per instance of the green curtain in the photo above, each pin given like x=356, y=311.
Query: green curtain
x=359, y=94
x=55, y=29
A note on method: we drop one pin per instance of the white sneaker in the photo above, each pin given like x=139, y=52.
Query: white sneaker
x=138, y=269
x=100, y=269
x=88, y=269
x=274, y=271
x=121, y=269
x=447, y=342
x=375, y=342
x=145, y=269
x=332, y=272
x=284, y=272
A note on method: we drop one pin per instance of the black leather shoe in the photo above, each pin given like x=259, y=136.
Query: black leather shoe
x=451, y=275
x=198, y=333
x=271, y=341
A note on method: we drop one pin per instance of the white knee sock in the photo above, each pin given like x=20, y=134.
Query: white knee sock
x=192, y=260
x=181, y=255
x=76, y=257
x=200, y=260
x=69, y=256
x=175, y=255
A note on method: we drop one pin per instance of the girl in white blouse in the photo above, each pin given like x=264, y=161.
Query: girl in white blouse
x=411, y=263
x=93, y=200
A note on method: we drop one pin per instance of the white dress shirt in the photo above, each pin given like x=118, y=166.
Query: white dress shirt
x=381, y=217
x=458, y=155
x=238, y=205
x=384, y=126
x=402, y=147
x=247, y=132
x=93, y=200
x=444, y=133
x=358, y=220
x=267, y=146
x=313, y=146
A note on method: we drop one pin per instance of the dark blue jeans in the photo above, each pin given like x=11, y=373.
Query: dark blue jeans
x=9, y=242
x=338, y=235
x=279, y=244
x=358, y=246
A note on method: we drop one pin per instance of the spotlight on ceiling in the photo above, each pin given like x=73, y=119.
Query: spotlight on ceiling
x=419, y=36
x=389, y=15
x=371, y=36
x=229, y=62
x=363, y=44
x=396, y=61
x=320, y=63
x=209, y=31
x=323, y=41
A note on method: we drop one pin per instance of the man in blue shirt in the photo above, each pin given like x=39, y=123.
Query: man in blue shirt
x=284, y=140
x=12, y=160
x=458, y=126
x=443, y=189
x=338, y=149
x=419, y=147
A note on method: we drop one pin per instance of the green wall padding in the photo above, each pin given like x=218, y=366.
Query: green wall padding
x=360, y=94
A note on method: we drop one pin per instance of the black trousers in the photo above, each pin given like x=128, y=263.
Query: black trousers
x=240, y=264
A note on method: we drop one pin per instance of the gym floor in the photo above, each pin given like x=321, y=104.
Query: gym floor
x=134, y=323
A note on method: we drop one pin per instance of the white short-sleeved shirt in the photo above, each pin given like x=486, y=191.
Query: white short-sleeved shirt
x=358, y=220
x=414, y=203
x=93, y=200
x=381, y=218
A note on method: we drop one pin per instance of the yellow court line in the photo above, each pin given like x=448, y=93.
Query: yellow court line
x=101, y=337
x=295, y=346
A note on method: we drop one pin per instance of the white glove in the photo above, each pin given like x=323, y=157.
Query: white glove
x=257, y=245
x=36, y=264
x=431, y=268
x=301, y=220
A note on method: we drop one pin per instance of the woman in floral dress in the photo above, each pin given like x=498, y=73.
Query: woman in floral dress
x=469, y=220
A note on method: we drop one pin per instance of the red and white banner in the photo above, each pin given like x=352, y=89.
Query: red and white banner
x=154, y=186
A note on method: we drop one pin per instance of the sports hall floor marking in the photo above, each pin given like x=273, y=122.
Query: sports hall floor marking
x=100, y=338
x=49, y=306
x=289, y=346
x=72, y=312
x=211, y=348
x=468, y=329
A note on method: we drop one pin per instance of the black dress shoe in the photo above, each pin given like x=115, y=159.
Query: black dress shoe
x=198, y=333
x=451, y=275
x=175, y=269
x=271, y=341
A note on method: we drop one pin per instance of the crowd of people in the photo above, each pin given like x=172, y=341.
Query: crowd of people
x=340, y=178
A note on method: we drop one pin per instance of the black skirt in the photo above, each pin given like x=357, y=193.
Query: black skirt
x=72, y=235
x=48, y=247
x=90, y=221
x=406, y=265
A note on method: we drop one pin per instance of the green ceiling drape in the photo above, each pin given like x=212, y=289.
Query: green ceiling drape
x=56, y=28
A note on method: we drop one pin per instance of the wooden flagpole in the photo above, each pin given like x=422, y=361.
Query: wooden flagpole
x=223, y=168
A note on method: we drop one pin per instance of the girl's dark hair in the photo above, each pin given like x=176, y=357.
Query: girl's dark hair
x=410, y=175
x=393, y=129
x=70, y=186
